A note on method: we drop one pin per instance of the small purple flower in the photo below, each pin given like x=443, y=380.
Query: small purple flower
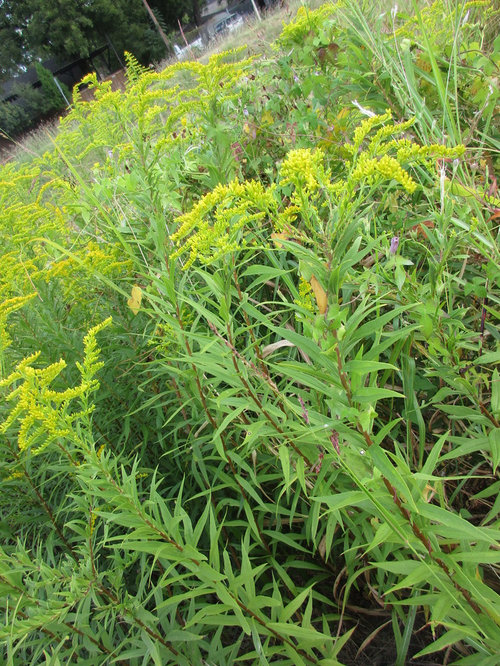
x=305, y=413
x=394, y=244
x=334, y=439
x=245, y=111
x=296, y=78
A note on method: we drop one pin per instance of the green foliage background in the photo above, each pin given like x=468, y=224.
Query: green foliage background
x=249, y=354
x=34, y=30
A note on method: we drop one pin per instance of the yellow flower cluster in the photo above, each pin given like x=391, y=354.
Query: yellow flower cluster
x=42, y=413
x=219, y=223
x=90, y=260
x=8, y=306
x=216, y=220
x=13, y=304
x=385, y=132
x=39, y=410
x=91, y=365
x=408, y=151
x=305, y=299
x=286, y=218
x=150, y=109
x=304, y=169
x=307, y=21
x=385, y=160
x=387, y=168
x=364, y=128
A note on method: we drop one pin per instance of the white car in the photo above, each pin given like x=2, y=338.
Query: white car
x=181, y=53
x=229, y=23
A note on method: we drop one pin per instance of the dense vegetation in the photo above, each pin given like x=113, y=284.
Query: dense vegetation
x=249, y=345
x=60, y=32
x=34, y=30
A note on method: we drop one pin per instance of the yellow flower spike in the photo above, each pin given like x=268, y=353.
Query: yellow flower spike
x=93, y=517
x=387, y=167
x=12, y=304
x=42, y=413
x=305, y=22
x=362, y=130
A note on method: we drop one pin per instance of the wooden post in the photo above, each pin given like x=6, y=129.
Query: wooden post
x=158, y=26
x=184, y=36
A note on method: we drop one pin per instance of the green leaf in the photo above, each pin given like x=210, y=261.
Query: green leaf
x=461, y=528
x=495, y=392
x=290, y=540
x=449, y=638
x=385, y=466
x=300, y=633
x=294, y=605
x=181, y=635
x=488, y=359
x=366, y=367
x=494, y=442
x=460, y=412
x=284, y=454
x=373, y=393
x=341, y=500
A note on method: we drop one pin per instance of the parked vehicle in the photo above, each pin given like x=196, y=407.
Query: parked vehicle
x=181, y=53
x=228, y=23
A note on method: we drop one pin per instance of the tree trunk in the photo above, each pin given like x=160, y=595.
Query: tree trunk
x=196, y=11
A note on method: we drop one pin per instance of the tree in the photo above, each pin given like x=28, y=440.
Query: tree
x=54, y=96
x=11, y=44
x=37, y=29
x=172, y=11
x=33, y=30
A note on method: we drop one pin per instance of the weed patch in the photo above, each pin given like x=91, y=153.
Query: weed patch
x=250, y=399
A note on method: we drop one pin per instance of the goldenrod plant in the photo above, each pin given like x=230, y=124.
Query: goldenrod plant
x=249, y=348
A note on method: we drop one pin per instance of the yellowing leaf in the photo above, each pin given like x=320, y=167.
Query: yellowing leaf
x=134, y=302
x=267, y=118
x=320, y=295
x=277, y=237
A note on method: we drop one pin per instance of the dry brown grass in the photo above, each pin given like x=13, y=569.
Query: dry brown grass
x=256, y=35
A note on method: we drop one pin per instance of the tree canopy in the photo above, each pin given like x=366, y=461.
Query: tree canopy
x=36, y=29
